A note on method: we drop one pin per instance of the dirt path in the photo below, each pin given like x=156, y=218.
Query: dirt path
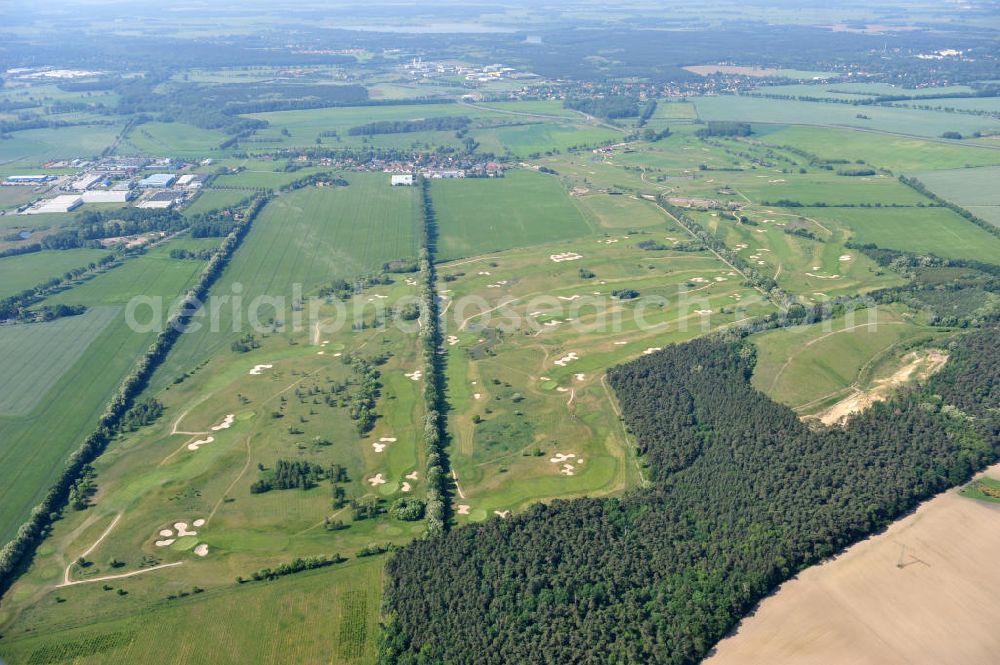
x=478, y=314
x=458, y=488
x=123, y=575
x=222, y=499
x=66, y=578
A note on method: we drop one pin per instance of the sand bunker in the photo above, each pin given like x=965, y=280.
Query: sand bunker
x=566, y=470
x=580, y=377
x=463, y=509
x=259, y=369
x=415, y=375
x=166, y=533
x=703, y=312
x=376, y=480
x=164, y=543
x=319, y=353
x=823, y=276
x=476, y=395
x=452, y=340
x=845, y=257
x=182, y=530
x=405, y=487
x=413, y=476
x=226, y=423
x=484, y=273
x=410, y=281
x=552, y=323
x=198, y=522
x=652, y=349
x=760, y=263
x=565, y=256
x=379, y=447
x=201, y=549
x=720, y=279
x=560, y=457
x=562, y=390
x=699, y=280
x=195, y=445
x=568, y=358
x=501, y=513
x=569, y=298
x=620, y=343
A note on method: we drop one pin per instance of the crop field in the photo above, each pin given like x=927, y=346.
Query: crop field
x=66, y=399
x=214, y=199
x=895, y=120
x=900, y=154
x=525, y=209
x=174, y=139
x=618, y=213
x=38, y=145
x=973, y=189
x=327, y=616
x=529, y=139
x=310, y=237
x=809, y=367
x=259, y=176
x=27, y=270
x=934, y=230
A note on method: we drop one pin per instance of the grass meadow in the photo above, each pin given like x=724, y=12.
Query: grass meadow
x=973, y=189
x=18, y=273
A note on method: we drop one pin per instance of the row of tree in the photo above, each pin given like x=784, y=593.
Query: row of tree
x=17, y=553
x=16, y=306
x=441, y=124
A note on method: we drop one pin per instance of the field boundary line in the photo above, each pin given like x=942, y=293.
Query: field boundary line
x=123, y=575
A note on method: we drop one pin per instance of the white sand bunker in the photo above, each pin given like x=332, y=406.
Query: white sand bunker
x=544, y=378
x=720, y=279
x=484, y=273
x=567, y=470
x=319, y=353
x=569, y=298
x=476, y=395
x=562, y=390
x=568, y=358
x=405, y=487
x=620, y=343
x=760, y=263
x=652, y=349
x=226, y=423
x=560, y=458
x=337, y=355
x=259, y=369
x=195, y=445
x=376, y=480
x=464, y=508
x=552, y=323
x=452, y=340
x=388, y=439
x=502, y=514
x=415, y=375
x=198, y=522
x=325, y=342
x=565, y=256
x=703, y=312
x=580, y=377
x=165, y=543
x=201, y=549
x=182, y=530
x=823, y=276
x=379, y=447
x=845, y=257
x=410, y=281
x=699, y=280
x=413, y=476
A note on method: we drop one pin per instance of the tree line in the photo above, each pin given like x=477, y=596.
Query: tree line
x=443, y=124
x=743, y=496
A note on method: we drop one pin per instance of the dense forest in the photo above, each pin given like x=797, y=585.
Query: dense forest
x=743, y=495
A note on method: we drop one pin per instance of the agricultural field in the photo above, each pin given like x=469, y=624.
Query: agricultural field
x=33, y=146
x=901, y=121
x=174, y=139
x=214, y=199
x=524, y=209
x=18, y=273
x=85, y=358
x=308, y=238
x=973, y=189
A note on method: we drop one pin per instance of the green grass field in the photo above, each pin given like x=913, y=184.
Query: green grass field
x=973, y=189
x=175, y=139
x=309, y=237
x=214, y=199
x=34, y=146
x=934, y=230
x=984, y=489
x=27, y=270
x=67, y=398
x=522, y=209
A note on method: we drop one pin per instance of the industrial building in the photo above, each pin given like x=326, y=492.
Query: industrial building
x=63, y=203
x=85, y=182
x=161, y=200
x=401, y=180
x=107, y=196
x=157, y=181
x=28, y=179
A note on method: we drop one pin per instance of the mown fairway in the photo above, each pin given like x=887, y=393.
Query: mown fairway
x=308, y=237
x=327, y=616
x=477, y=216
x=66, y=398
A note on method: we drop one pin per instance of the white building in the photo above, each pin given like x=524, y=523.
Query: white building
x=83, y=183
x=107, y=196
x=402, y=180
x=63, y=203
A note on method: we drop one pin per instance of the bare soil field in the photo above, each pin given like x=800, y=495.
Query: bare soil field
x=923, y=591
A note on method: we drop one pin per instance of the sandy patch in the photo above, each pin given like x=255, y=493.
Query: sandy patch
x=703, y=312
x=565, y=256
x=567, y=470
x=502, y=514
x=198, y=522
x=620, y=343
x=226, y=423
x=405, y=487
x=560, y=389
x=182, y=530
x=259, y=369
x=569, y=298
x=166, y=533
x=165, y=543
x=201, y=549
x=845, y=257
x=464, y=508
x=699, y=280
x=917, y=367
x=413, y=476
x=319, y=353
x=720, y=279
x=484, y=273
x=823, y=276
x=376, y=480
x=652, y=349
x=452, y=340
x=379, y=447
x=923, y=591
x=568, y=358
x=476, y=395
x=415, y=375
x=560, y=457
x=195, y=445
x=580, y=377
